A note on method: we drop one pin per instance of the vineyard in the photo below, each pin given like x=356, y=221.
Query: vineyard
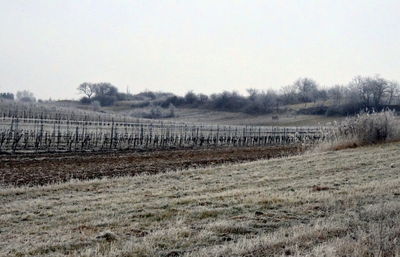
x=56, y=111
x=45, y=135
x=34, y=128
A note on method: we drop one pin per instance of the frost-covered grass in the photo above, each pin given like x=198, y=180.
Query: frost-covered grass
x=335, y=203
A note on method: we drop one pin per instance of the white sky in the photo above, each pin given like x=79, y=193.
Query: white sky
x=51, y=46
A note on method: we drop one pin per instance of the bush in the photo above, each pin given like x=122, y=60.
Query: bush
x=26, y=96
x=156, y=112
x=344, y=109
x=147, y=94
x=85, y=100
x=228, y=101
x=105, y=100
x=364, y=129
x=124, y=96
x=191, y=98
x=372, y=128
x=175, y=100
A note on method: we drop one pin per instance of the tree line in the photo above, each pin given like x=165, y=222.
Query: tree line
x=361, y=93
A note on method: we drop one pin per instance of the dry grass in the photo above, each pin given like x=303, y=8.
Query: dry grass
x=263, y=208
x=198, y=115
x=363, y=129
x=231, y=118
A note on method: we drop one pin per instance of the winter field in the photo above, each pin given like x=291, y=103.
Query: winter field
x=335, y=203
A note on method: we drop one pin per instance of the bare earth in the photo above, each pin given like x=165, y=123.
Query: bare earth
x=50, y=168
x=343, y=203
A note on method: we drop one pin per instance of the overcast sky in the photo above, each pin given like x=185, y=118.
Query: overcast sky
x=50, y=47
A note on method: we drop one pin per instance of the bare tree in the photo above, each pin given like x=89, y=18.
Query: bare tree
x=87, y=88
x=393, y=91
x=379, y=87
x=271, y=97
x=289, y=94
x=191, y=98
x=336, y=94
x=371, y=90
x=252, y=93
x=105, y=89
x=307, y=89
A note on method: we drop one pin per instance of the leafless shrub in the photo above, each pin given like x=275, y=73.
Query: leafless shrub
x=363, y=129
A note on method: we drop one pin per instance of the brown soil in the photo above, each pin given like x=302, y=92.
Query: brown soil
x=42, y=169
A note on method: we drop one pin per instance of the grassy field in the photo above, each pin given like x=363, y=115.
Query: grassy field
x=198, y=115
x=342, y=203
x=125, y=111
x=232, y=118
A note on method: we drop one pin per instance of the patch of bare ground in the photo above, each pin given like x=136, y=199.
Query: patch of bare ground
x=337, y=203
x=42, y=169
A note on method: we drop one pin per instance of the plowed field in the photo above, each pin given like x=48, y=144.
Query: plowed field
x=42, y=169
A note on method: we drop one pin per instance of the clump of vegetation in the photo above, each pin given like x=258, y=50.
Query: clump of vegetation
x=156, y=112
x=363, y=129
x=26, y=96
x=304, y=96
x=340, y=100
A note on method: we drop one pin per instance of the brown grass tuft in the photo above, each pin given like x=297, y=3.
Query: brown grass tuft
x=108, y=236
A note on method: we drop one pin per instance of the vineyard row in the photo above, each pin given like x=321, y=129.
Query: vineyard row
x=42, y=135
